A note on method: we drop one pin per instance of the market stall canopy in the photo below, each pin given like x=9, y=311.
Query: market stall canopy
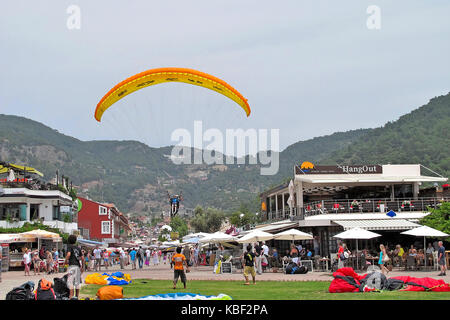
x=217, y=237
x=256, y=235
x=43, y=235
x=425, y=231
x=293, y=234
x=11, y=237
x=357, y=233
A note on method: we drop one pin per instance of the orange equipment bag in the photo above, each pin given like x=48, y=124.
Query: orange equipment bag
x=110, y=293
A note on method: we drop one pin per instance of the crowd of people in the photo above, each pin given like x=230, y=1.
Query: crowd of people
x=137, y=258
x=387, y=258
x=42, y=261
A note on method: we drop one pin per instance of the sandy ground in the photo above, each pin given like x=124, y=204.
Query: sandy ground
x=13, y=279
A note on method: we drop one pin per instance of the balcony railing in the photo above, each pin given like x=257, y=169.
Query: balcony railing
x=357, y=206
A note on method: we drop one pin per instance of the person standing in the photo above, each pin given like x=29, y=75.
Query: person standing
x=147, y=257
x=383, y=259
x=155, y=257
x=98, y=259
x=49, y=261
x=187, y=253
x=133, y=259
x=55, y=255
x=265, y=256
x=141, y=257
x=122, y=258
x=106, y=258
x=340, y=255
x=36, y=263
x=316, y=246
x=74, y=258
x=441, y=258
x=179, y=260
x=258, y=258
x=196, y=252
x=248, y=258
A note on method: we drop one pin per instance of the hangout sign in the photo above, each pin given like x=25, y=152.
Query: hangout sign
x=310, y=168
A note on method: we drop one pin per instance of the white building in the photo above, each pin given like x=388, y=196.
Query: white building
x=52, y=207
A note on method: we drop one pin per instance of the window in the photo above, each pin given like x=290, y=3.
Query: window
x=106, y=226
x=102, y=211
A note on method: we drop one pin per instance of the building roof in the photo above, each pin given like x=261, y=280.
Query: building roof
x=390, y=173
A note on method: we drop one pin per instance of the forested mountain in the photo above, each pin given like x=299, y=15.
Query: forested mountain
x=136, y=177
x=422, y=136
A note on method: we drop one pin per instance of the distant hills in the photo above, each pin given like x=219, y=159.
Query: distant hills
x=136, y=177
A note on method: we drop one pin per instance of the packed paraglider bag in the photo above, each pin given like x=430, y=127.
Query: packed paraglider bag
x=24, y=292
x=60, y=287
x=293, y=268
x=45, y=290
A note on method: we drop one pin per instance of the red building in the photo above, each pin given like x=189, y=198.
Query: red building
x=102, y=222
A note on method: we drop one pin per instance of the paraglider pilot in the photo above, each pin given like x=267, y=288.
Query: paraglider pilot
x=174, y=201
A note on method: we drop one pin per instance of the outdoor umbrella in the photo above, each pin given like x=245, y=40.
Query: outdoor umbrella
x=357, y=233
x=424, y=232
x=292, y=234
x=42, y=235
x=255, y=236
x=217, y=237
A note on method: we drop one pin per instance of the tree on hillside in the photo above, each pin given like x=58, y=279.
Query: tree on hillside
x=439, y=218
x=209, y=220
x=179, y=225
x=243, y=217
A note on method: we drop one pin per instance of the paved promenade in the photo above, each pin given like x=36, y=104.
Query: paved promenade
x=13, y=279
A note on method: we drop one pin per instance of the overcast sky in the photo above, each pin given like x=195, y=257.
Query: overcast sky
x=308, y=68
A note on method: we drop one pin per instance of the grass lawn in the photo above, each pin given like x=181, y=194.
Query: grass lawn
x=264, y=290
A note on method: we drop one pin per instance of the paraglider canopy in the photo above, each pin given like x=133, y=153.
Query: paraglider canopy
x=161, y=75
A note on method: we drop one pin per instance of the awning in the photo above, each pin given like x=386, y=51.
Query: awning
x=277, y=226
x=91, y=243
x=379, y=224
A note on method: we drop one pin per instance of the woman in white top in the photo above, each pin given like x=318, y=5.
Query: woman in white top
x=155, y=257
x=27, y=261
x=147, y=257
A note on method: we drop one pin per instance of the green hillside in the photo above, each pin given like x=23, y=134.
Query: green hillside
x=136, y=177
x=422, y=136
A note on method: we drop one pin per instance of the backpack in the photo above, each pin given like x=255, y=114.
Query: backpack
x=24, y=292
x=60, y=287
x=45, y=291
x=110, y=293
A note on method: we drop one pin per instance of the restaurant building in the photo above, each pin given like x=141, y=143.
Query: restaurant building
x=326, y=200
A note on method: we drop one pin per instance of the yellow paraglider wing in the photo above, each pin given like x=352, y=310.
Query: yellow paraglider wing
x=160, y=75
